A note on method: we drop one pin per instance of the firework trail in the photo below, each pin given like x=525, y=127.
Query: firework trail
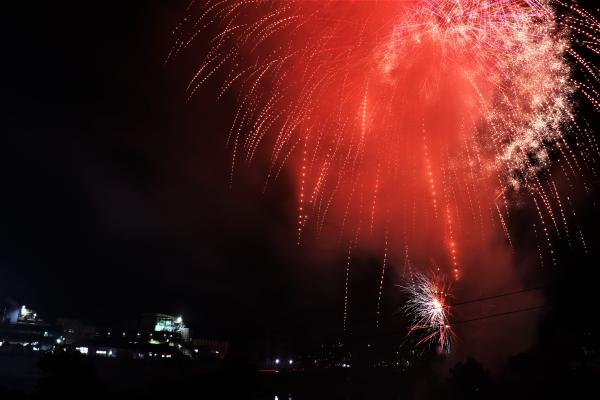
x=408, y=124
x=428, y=310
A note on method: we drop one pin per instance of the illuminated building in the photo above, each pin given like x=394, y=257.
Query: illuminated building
x=164, y=323
x=20, y=315
x=28, y=316
x=23, y=330
x=151, y=336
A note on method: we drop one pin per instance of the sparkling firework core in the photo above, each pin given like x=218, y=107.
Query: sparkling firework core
x=408, y=124
x=428, y=310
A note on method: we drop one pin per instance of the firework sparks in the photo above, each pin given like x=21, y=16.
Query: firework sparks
x=428, y=310
x=344, y=91
x=411, y=122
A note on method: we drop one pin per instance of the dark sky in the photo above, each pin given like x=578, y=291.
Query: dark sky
x=115, y=195
x=114, y=190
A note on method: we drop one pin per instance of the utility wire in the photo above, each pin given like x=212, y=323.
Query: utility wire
x=460, y=303
x=500, y=314
x=399, y=312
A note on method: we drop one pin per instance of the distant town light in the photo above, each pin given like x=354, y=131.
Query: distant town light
x=277, y=361
x=291, y=361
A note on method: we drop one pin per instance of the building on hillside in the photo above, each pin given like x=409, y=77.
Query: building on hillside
x=164, y=323
x=24, y=330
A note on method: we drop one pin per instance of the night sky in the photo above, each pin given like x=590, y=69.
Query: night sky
x=115, y=194
x=116, y=197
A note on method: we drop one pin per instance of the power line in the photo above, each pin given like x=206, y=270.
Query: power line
x=498, y=296
x=483, y=317
x=399, y=312
x=466, y=321
x=500, y=314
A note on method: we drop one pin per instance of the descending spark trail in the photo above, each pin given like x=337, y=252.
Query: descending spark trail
x=414, y=122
